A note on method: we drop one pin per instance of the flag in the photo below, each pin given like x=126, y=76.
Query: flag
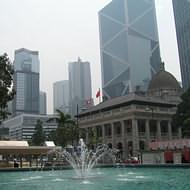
x=98, y=93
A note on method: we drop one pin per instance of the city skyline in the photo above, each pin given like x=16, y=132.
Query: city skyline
x=32, y=30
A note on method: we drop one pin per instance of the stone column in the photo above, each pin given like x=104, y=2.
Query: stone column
x=179, y=133
x=158, y=130
x=169, y=130
x=87, y=135
x=103, y=134
x=113, y=135
x=135, y=137
x=123, y=140
x=147, y=133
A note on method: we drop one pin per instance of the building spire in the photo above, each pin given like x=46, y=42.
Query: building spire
x=162, y=66
x=79, y=59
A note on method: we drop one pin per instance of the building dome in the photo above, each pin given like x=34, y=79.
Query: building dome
x=163, y=80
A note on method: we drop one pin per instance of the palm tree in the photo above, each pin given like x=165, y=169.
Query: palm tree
x=64, y=131
x=62, y=119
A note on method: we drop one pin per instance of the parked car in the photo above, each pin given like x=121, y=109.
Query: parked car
x=132, y=160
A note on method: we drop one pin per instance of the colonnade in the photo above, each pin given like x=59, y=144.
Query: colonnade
x=133, y=135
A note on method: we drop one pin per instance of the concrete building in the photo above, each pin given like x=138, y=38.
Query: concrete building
x=80, y=86
x=61, y=96
x=22, y=127
x=26, y=82
x=43, y=103
x=129, y=44
x=129, y=123
x=182, y=22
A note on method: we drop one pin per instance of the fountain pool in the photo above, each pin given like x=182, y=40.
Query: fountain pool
x=108, y=179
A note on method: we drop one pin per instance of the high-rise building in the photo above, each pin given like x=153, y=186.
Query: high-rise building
x=182, y=22
x=61, y=96
x=130, y=53
x=80, y=86
x=26, y=81
x=43, y=103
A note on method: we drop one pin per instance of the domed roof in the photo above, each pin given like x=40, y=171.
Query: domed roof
x=163, y=80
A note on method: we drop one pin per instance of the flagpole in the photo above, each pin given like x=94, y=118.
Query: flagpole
x=99, y=96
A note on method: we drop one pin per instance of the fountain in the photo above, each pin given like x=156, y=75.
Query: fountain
x=84, y=160
x=112, y=178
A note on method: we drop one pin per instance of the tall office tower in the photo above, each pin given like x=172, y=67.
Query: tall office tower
x=26, y=81
x=80, y=86
x=61, y=96
x=43, y=103
x=130, y=53
x=182, y=23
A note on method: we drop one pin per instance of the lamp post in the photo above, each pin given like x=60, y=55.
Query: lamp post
x=78, y=122
x=150, y=109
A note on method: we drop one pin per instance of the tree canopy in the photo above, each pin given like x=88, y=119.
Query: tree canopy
x=66, y=131
x=182, y=116
x=38, y=138
x=6, y=79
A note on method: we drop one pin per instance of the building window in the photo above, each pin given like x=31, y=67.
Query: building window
x=128, y=126
x=164, y=127
x=107, y=130
x=117, y=128
x=153, y=128
x=141, y=125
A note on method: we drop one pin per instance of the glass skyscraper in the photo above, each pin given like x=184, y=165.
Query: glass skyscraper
x=26, y=82
x=182, y=22
x=80, y=89
x=130, y=53
x=43, y=103
x=61, y=96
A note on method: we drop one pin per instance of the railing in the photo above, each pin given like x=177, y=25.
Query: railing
x=129, y=133
x=153, y=135
x=116, y=111
x=107, y=113
x=142, y=134
x=118, y=135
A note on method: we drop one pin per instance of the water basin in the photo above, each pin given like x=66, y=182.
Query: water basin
x=106, y=179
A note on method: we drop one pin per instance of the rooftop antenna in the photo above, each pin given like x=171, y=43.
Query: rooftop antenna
x=79, y=59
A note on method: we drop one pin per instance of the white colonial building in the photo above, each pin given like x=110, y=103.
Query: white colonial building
x=129, y=123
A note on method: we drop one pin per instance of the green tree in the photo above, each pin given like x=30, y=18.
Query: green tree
x=6, y=91
x=93, y=138
x=65, y=131
x=182, y=116
x=38, y=138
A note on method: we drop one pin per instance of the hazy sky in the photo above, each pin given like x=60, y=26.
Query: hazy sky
x=62, y=30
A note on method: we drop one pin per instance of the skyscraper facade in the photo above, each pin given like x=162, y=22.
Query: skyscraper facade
x=182, y=22
x=43, y=103
x=26, y=81
x=79, y=85
x=61, y=96
x=129, y=44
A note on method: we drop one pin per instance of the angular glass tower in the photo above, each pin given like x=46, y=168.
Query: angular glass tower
x=129, y=44
x=182, y=22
